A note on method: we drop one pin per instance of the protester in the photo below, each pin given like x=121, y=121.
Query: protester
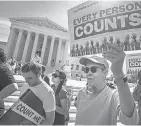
x=137, y=95
x=69, y=95
x=45, y=77
x=18, y=68
x=37, y=57
x=62, y=108
x=100, y=104
x=32, y=73
x=13, y=66
x=8, y=84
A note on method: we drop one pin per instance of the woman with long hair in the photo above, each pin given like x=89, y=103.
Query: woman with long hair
x=62, y=109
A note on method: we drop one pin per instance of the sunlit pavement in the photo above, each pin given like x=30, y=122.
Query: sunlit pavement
x=76, y=86
x=118, y=124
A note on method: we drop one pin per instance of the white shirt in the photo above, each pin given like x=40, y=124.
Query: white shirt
x=45, y=93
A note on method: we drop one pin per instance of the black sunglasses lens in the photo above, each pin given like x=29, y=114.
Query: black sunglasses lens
x=93, y=69
x=86, y=70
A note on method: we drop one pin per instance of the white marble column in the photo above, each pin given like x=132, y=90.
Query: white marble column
x=51, y=50
x=10, y=43
x=58, y=51
x=35, y=45
x=18, y=44
x=44, y=48
x=27, y=43
x=65, y=52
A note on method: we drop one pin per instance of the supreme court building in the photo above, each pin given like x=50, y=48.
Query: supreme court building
x=29, y=35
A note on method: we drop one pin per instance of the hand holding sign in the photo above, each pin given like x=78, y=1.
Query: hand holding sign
x=116, y=56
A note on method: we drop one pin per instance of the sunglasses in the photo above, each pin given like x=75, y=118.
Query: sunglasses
x=93, y=69
x=55, y=75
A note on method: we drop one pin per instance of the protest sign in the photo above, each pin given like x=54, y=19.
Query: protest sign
x=133, y=63
x=29, y=108
x=93, y=24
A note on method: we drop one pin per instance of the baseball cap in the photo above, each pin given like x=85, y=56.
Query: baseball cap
x=94, y=59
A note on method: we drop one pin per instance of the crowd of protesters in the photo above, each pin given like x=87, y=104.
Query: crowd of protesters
x=97, y=103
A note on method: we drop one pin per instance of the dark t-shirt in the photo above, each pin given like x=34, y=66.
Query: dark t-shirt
x=60, y=119
x=6, y=77
x=62, y=95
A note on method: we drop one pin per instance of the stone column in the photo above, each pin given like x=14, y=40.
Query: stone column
x=58, y=51
x=44, y=48
x=27, y=43
x=51, y=50
x=18, y=44
x=65, y=52
x=35, y=46
x=10, y=43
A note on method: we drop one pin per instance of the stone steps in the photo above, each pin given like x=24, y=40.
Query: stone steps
x=16, y=93
x=8, y=105
x=73, y=109
x=12, y=99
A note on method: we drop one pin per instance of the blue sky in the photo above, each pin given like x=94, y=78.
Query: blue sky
x=54, y=10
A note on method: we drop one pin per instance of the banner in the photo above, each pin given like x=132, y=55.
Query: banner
x=93, y=24
x=133, y=63
x=29, y=108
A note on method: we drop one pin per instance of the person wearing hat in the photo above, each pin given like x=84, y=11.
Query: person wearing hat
x=62, y=106
x=101, y=105
x=8, y=84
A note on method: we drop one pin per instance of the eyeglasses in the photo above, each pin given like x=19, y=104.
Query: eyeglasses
x=93, y=69
x=55, y=75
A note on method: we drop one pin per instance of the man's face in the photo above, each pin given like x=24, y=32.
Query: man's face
x=96, y=75
x=30, y=78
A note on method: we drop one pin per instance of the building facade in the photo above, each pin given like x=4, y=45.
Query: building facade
x=76, y=68
x=31, y=35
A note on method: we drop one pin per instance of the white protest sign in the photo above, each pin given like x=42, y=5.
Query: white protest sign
x=27, y=112
x=92, y=24
x=133, y=63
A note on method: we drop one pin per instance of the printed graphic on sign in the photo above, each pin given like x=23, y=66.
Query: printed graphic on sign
x=133, y=63
x=93, y=24
x=27, y=112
